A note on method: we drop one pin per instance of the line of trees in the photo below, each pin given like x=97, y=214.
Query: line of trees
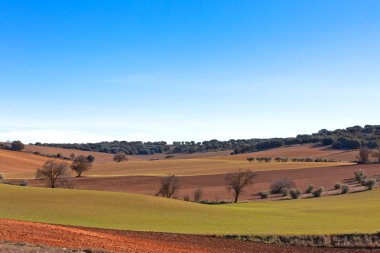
x=350, y=138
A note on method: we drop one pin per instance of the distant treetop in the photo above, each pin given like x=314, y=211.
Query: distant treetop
x=350, y=138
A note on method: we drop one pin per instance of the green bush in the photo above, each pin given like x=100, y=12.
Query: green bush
x=371, y=183
x=295, y=193
x=318, y=193
x=23, y=183
x=338, y=186
x=359, y=176
x=264, y=194
x=309, y=189
x=345, y=189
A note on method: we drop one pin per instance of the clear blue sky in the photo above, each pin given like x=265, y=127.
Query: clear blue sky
x=86, y=71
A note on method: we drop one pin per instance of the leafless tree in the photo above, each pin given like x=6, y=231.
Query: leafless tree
x=80, y=165
x=237, y=182
x=72, y=156
x=363, y=156
x=120, y=157
x=52, y=171
x=198, y=194
x=67, y=182
x=169, y=186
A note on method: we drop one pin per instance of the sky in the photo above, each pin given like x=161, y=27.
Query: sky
x=176, y=70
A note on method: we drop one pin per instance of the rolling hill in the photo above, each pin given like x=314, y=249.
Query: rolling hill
x=327, y=215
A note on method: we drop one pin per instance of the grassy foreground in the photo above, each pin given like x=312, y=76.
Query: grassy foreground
x=353, y=213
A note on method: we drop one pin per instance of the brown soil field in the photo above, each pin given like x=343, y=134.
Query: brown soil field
x=19, y=164
x=22, y=165
x=128, y=241
x=198, y=166
x=214, y=186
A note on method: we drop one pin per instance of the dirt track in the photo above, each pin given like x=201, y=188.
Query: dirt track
x=124, y=241
x=214, y=186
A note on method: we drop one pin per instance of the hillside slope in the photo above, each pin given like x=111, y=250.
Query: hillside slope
x=327, y=215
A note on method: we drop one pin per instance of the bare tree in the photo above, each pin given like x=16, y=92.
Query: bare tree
x=363, y=156
x=120, y=157
x=80, y=165
x=72, y=156
x=169, y=186
x=198, y=194
x=237, y=182
x=52, y=171
x=66, y=182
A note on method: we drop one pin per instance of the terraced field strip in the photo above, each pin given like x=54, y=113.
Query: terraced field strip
x=351, y=213
x=199, y=166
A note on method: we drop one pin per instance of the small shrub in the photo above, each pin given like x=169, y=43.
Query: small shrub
x=2, y=177
x=321, y=160
x=278, y=185
x=371, y=183
x=251, y=159
x=295, y=193
x=345, y=189
x=285, y=192
x=281, y=159
x=186, y=198
x=338, y=186
x=309, y=189
x=198, y=194
x=23, y=183
x=318, y=193
x=309, y=159
x=264, y=194
x=359, y=175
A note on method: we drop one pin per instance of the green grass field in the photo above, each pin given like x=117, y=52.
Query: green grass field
x=353, y=213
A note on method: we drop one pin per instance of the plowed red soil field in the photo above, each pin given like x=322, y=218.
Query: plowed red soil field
x=126, y=241
x=214, y=186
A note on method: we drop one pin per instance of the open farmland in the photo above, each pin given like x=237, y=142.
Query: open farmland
x=69, y=237
x=22, y=165
x=328, y=215
x=214, y=186
x=199, y=166
x=19, y=164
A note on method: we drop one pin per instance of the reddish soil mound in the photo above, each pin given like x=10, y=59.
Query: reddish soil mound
x=214, y=186
x=123, y=241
